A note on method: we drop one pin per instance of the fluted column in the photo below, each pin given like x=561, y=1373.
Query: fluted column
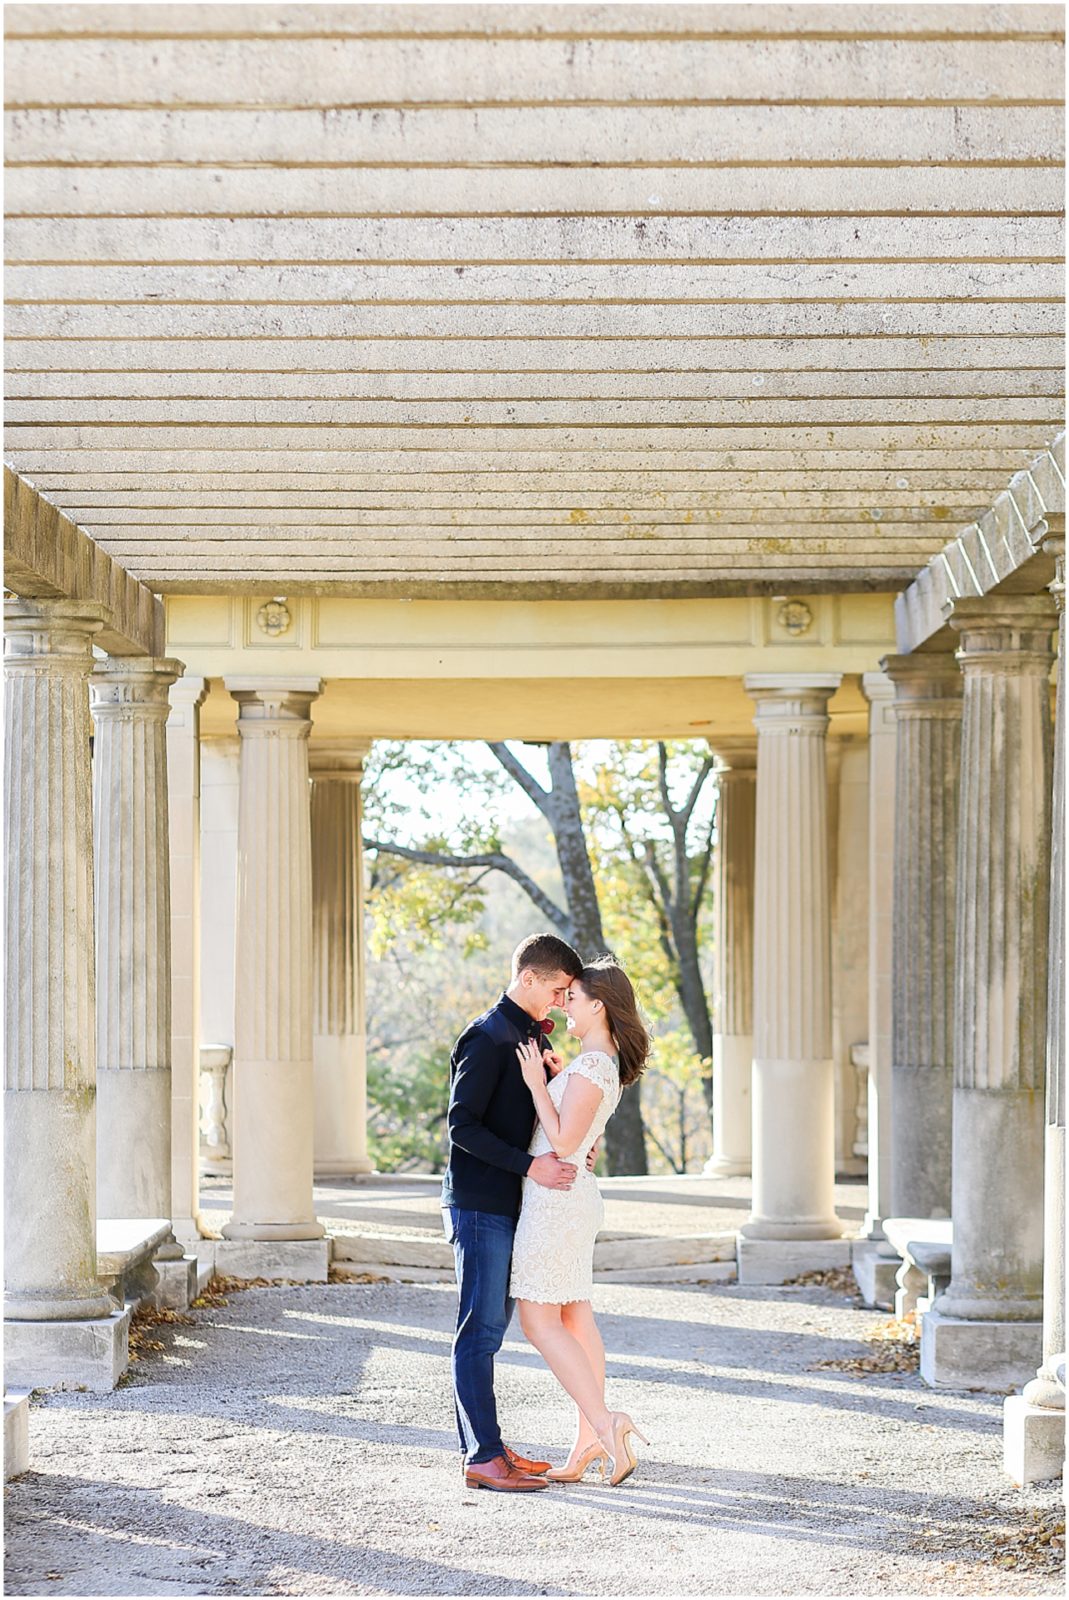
x=273, y=1119
x=793, y=1114
x=879, y=692
x=183, y=805
x=928, y=708
x=133, y=935
x=986, y=1331
x=733, y=996
x=339, y=1051
x=1035, y=1421
x=50, y=1025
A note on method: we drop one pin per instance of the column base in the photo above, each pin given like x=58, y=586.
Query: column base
x=177, y=1282
x=355, y=1167
x=991, y=1356
x=67, y=1355
x=876, y=1272
x=777, y=1260
x=305, y=1260
x=809, y=1229
x=275, y=1232
x=1033, y=1441
x=16, y=1432
x=726, y=1167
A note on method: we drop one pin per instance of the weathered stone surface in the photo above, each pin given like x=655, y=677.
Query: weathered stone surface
x=304, y=1260
x=16, y=1432
x=46, y=556
x=779, y=1260
x=928, y=709
x=50, y=1050
x=794, y=1137
x=1000, y=988
x=68, y=1355
x=133, y=935
x=272, y=1129
x=490, y=238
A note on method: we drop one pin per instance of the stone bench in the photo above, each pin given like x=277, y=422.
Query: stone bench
x=125, y=1248
x=924, y=1243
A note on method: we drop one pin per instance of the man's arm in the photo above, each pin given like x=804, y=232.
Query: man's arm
x=477, y=1074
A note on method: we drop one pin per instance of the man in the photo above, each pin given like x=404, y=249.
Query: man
x=491, y=1122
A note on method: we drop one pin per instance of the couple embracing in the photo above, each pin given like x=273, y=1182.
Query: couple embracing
x=521, y=1205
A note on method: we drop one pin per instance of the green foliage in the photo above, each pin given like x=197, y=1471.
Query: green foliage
x=440, y=936
x=674, y=1105
x=406, y=1126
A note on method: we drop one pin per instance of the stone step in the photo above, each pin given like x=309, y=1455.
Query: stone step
x=692, y=1272
x=635, y=1253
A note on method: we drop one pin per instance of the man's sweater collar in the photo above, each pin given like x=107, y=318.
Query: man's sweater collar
x=521, y=1018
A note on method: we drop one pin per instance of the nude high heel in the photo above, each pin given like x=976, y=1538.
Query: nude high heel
x=574, y=1474
x=624, y=1459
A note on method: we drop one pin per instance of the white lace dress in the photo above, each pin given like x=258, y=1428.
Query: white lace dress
x=553, y=1253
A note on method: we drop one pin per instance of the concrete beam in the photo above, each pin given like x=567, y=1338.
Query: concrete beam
x=999, y=551
x=46, y=555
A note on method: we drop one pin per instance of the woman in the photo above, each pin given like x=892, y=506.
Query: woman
x=553, y=1254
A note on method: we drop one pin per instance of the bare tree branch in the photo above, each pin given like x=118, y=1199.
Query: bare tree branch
x=494, y=859
x=699, y=784
x=519, y=773
x=703, y=870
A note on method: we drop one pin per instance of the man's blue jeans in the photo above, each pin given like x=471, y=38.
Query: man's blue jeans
x=482, y=1246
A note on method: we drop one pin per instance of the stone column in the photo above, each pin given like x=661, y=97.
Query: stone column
x=183, y=800
x=875, y=1261
x=339, y=1052
x=880, y=692
x=793, y=1129
x=273, y=1119
x=985, y=1331
x=733, y=998
x=133, y=935
x=52, y=1288
x=1034, y=1423
x=928, y=708
x=133, y=953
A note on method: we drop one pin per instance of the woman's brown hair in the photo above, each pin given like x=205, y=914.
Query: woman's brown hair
x=605, y=980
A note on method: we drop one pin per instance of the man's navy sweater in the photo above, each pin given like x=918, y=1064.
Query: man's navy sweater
x=491, y=1113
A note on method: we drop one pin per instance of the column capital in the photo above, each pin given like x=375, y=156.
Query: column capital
x=1055, y=546
x=1009, y=634
x=188, y=691
x=791, y=702
x=52, y=633
x=877, y=686
x=734, y=756
x=342, y=760
x=274, y=705
x=925, y=679
x=129, y=686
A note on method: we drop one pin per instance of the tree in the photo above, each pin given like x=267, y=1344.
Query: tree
x=578, y=920
x=634, y=818
x=668, y=840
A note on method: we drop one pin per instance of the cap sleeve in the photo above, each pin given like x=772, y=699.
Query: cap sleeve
x=599, y=1069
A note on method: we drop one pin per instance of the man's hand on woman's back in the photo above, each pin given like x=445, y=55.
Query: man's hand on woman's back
x=551, y=1172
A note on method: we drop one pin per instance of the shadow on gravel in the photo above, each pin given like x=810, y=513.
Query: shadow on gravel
x=779, y=1507
x=94, y=1543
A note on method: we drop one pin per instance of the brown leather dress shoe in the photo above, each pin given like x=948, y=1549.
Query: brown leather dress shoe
x=501, y=1474
x=521, y=1463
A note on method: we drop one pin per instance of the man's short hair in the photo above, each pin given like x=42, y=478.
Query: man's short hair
x=547, y=955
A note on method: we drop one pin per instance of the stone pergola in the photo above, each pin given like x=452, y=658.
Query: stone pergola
x=374, y=370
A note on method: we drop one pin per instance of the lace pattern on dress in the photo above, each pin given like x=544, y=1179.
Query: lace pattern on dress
x=553, y=1254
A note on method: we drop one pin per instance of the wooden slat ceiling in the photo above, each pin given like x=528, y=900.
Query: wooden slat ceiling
x=577, y=300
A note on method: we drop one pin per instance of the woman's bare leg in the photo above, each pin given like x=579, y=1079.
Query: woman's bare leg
x=578, y=1317
x=567, y=1360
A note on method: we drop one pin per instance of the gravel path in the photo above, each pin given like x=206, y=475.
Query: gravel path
x=300, y=1441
